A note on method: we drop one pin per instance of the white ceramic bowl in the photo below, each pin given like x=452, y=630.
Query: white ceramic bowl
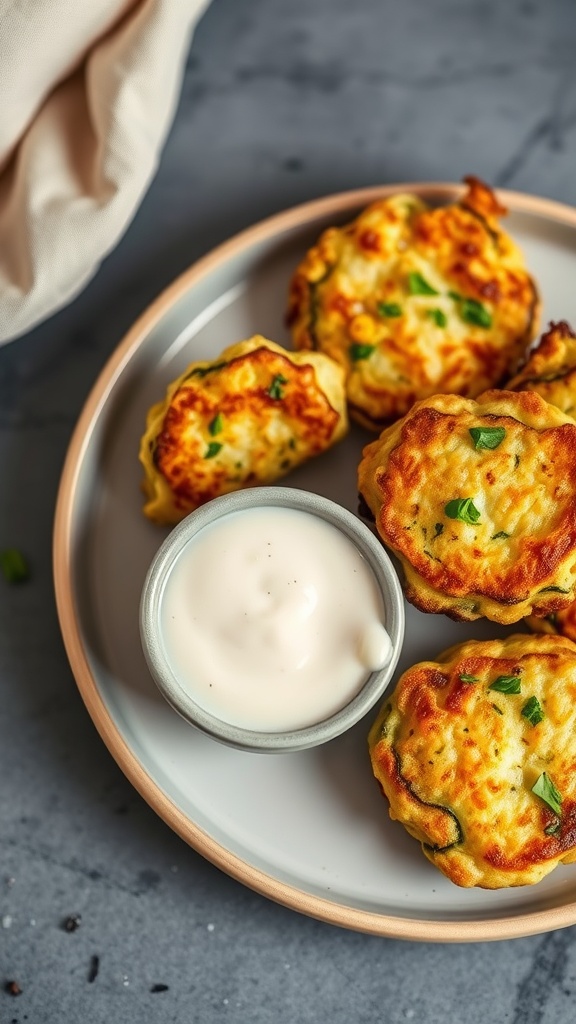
x=162, y=670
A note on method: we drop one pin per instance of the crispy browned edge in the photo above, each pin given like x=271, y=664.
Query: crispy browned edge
x=63, y=553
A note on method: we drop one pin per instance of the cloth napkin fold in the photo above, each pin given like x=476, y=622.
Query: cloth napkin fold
x=87, y=95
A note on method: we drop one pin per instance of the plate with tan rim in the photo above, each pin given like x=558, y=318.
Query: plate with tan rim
x=310, y=829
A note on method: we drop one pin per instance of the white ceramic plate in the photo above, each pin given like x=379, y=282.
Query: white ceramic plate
x=309, y=829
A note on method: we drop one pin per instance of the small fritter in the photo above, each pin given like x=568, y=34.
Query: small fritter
x=478, y=500
x=413, y=301
x=476, y=753
x=245, y=419
x=551, y=369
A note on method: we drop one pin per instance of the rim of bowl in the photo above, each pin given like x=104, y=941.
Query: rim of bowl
x=166, y=679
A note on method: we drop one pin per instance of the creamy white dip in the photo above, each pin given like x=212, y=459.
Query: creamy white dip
x=272, y=619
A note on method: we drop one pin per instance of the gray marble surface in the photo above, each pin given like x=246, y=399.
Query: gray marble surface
x=281, y=102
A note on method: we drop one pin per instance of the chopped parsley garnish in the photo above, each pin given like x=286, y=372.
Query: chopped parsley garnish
x=506, y=684
x=456, y=296
x=487, y=437
x=14, y=566
x=358, y=352
x=275, y=390
x=438, y=529
x=418, y=285
x=501, y=535
x=532, y=710
x=474, y=312
x=212, y=449
x=465, y=678
x=546, y=790
x=391, y=309
x=553, y=828
x=438, y=316
x=215, y=425
x=463, y=509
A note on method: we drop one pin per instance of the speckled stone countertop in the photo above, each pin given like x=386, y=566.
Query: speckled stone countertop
x=281, y=102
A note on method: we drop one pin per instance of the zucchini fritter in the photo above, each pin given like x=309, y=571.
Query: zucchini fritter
x=247, y=418
x=478, y=500
x=551, y=369
x=562, y=622
x=413, y=301
x=476, y=753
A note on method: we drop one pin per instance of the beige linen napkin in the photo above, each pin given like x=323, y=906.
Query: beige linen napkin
x=87, y=95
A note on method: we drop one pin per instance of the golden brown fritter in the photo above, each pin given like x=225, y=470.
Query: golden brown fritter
x=414, y=301
x=478, y=500
x=476, y=753
x=562, y=622
x=551, y=371
x=247, y=418
x=551, y=368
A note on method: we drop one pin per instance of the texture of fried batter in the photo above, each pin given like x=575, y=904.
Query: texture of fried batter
x=246, y=418
x=413, y=301
x=478, y=500
x=562, y=622
x=551, y=368
x=476, y=753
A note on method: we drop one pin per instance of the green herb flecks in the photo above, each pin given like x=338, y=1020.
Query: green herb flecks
x=202, y=371
x=506, y=684
x=473, y=312
x=532, y=710
x=213, y=448
x=546, y=790
x=496, y=708
x=359, y=352
x=216, y=425
x=465, y=678
x=553, y=828
x=14, y=566
x=463, y=509
x=501, y=535
x=438, y=316
x=487, y=437
x=389, y=309
x=456, y=296
x=275, y=390
x=438, y=529
x=418, y=285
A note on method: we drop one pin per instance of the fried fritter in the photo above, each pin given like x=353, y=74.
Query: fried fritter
x=413, y=301
x=551, y=368
x=476, y=753
x=247, y=418
x=562, y=622
x=478, y=500
x=551, y=371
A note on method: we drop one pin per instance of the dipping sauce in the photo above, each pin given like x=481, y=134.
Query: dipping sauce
x=272, y=619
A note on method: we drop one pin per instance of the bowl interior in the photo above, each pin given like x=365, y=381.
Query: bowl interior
x=162, y=670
